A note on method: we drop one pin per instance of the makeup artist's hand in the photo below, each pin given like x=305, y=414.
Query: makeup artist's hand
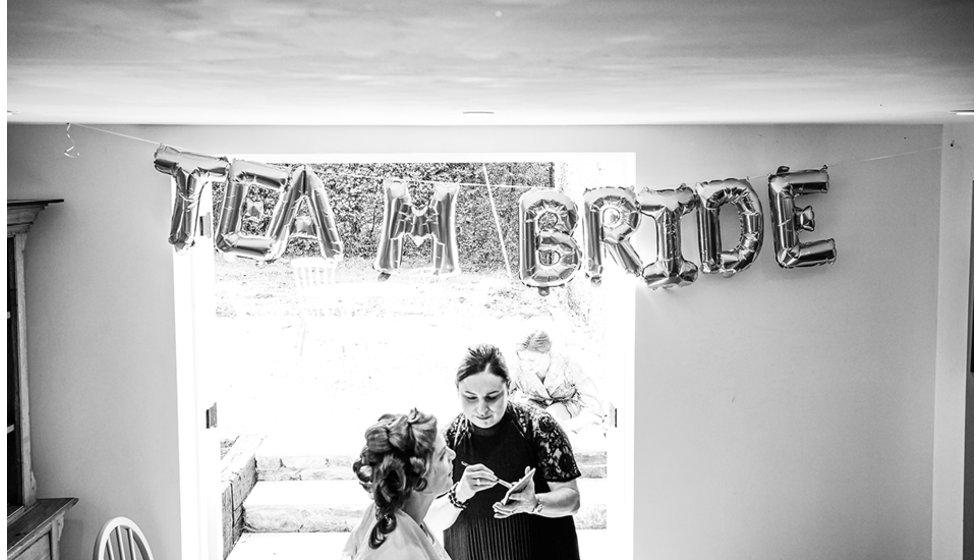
x=522, y=501
x=476, y=478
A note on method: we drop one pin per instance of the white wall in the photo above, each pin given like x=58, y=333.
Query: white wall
x=101, y=348
x=789, y=413
x=956, y=205
x=780, y=413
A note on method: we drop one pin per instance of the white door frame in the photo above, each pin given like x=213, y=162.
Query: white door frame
x=198, y=447
x=201, y=535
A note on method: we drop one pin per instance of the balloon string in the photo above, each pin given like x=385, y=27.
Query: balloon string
x=496, y=218
x=332, y=172
x=377, y=178
x=120, y=134
x=866, y=160
x=890, y=156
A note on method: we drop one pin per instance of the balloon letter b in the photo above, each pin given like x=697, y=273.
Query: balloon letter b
x=192, y=172
x=549, y=256
x=666, y=206
x=714, y=195
x=787, y=219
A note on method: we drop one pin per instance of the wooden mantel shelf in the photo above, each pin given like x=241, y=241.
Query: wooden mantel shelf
x=43, y=518
x=33, y=201
x=22, y=212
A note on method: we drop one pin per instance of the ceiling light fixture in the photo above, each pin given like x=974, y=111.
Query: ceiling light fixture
x=478, y=113
x=963, y=112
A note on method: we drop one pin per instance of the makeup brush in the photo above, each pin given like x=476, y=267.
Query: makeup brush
x=497, y=480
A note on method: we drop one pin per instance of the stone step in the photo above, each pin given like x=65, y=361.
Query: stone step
x=593, y=545
x=337, y=506
x=281, y=459
x=304, y=467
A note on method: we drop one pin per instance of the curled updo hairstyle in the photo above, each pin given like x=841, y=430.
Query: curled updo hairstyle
x=393, y=464
x=483, y=357
x=537, y=341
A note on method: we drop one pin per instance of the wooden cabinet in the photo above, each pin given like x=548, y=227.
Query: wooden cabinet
x=33, y=525
x=36, y=533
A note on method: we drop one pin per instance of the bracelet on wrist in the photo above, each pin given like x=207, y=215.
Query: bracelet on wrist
x=454, y=500
x=538, y=505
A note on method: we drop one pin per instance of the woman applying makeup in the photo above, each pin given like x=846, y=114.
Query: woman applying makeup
x=496, y=443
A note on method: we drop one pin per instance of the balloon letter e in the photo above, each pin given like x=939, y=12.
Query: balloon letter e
x=787, y=219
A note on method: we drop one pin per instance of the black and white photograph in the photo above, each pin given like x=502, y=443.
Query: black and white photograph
x=490, y=280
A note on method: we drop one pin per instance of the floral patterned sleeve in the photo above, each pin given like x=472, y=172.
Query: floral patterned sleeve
x=556, y=461
x=453, y=432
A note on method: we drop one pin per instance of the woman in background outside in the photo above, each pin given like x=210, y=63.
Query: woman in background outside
x=552, y=381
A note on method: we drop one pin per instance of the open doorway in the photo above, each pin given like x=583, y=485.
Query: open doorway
x=300, y=372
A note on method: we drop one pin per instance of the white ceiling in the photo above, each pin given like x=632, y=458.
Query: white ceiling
x=529, y=61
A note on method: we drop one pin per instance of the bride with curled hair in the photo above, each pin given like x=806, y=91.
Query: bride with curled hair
x=404, y=465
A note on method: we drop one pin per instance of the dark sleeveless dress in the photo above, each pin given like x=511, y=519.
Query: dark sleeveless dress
x=526, y=436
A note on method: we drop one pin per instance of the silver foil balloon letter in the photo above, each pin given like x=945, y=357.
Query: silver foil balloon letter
x=666, y=207
x=549, y=256
x=192, y=173
x=714, y=195
x=787, y=219
x=611, y=217
x=321, y=212
x=302, y=183
x=436, y=222
x=243, y=176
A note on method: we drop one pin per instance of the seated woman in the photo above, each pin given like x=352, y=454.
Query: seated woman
x=497, y=443
x=553, y=382
x=404, y=465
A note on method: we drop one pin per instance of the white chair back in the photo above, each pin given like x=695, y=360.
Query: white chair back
x=313, y=276
x=121, y=539
x=311, y=273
